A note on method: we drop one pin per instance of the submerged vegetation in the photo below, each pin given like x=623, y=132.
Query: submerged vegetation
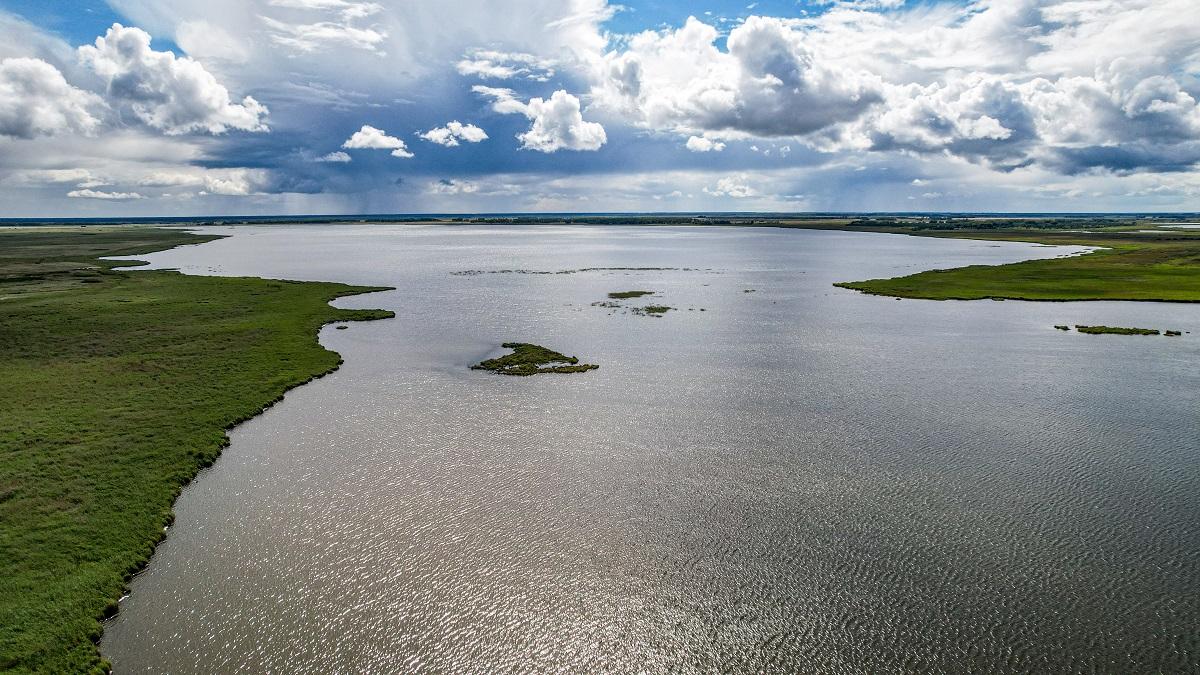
x=118, y=387
x=530, y=359
x=1139, y=258
x=582, y=270
x=648, y=310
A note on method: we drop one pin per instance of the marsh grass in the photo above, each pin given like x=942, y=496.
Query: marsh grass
x=1129, y=267
x=1115, y=330
x=118, y=387
x=530, y=359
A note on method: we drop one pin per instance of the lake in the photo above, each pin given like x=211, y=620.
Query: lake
x=797, y=478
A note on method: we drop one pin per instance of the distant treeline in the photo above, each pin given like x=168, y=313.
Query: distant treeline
x=1075, y=223
x=907, y=221
x=612, y=220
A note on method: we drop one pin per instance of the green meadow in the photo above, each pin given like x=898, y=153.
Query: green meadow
x=1130, y=265
x=118, y=387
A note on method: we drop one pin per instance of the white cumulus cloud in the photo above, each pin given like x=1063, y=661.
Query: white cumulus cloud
x=35, y=100
x=702, y=144
x=768, y=81
x=112, y=196
x=453, y=132
x=370, y=138
x=1066, y=85
x=556, y=123
x=173, y=95
x=737, y=187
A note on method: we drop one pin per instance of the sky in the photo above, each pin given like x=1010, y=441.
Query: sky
x=223, y=107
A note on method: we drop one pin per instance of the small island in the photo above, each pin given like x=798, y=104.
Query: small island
x=530, y=359
x=627, y=295
x=651, y=310
x=1115, y=330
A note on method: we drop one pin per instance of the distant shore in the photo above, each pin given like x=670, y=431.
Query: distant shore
x=1139, y=257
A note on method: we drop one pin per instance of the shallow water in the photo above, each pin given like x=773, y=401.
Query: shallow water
x=802, y=478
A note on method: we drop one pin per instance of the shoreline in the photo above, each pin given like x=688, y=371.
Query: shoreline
x=125, y=384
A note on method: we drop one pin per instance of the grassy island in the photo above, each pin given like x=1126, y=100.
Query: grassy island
x=1115, y=330
x=118, y=388
x=530, y=359
x=652, y=310
x=628, y=295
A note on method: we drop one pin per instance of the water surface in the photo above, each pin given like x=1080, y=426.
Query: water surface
x=802, y=478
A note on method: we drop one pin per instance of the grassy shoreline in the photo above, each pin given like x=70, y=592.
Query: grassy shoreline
x=1127, y=266
x=120, y=387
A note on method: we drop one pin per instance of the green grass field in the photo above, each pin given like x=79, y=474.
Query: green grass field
x=1131, y=266
x=118, y=387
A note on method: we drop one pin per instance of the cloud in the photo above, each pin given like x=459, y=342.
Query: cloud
x=768, y=82
x=1072, y=86
x=453, y=132
x=557, y=122
x=323, y=35
x=170, y=179
x=173, y=95
x=236, y=182
x=334, y=157
x=489, y=63
x=985, y=99
x=229, y=182
x=558, y=125
x=733, y=186
x=348, y=8
x=112, y=196
x=504, y=101
x=338, y=30
x=702, y=144
x=205, y=41
x=35, y=100
x=370, y=138
x=981, y=118
x=453, y=187
x=81, y=177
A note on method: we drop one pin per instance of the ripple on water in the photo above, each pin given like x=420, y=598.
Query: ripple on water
x=802, y=479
